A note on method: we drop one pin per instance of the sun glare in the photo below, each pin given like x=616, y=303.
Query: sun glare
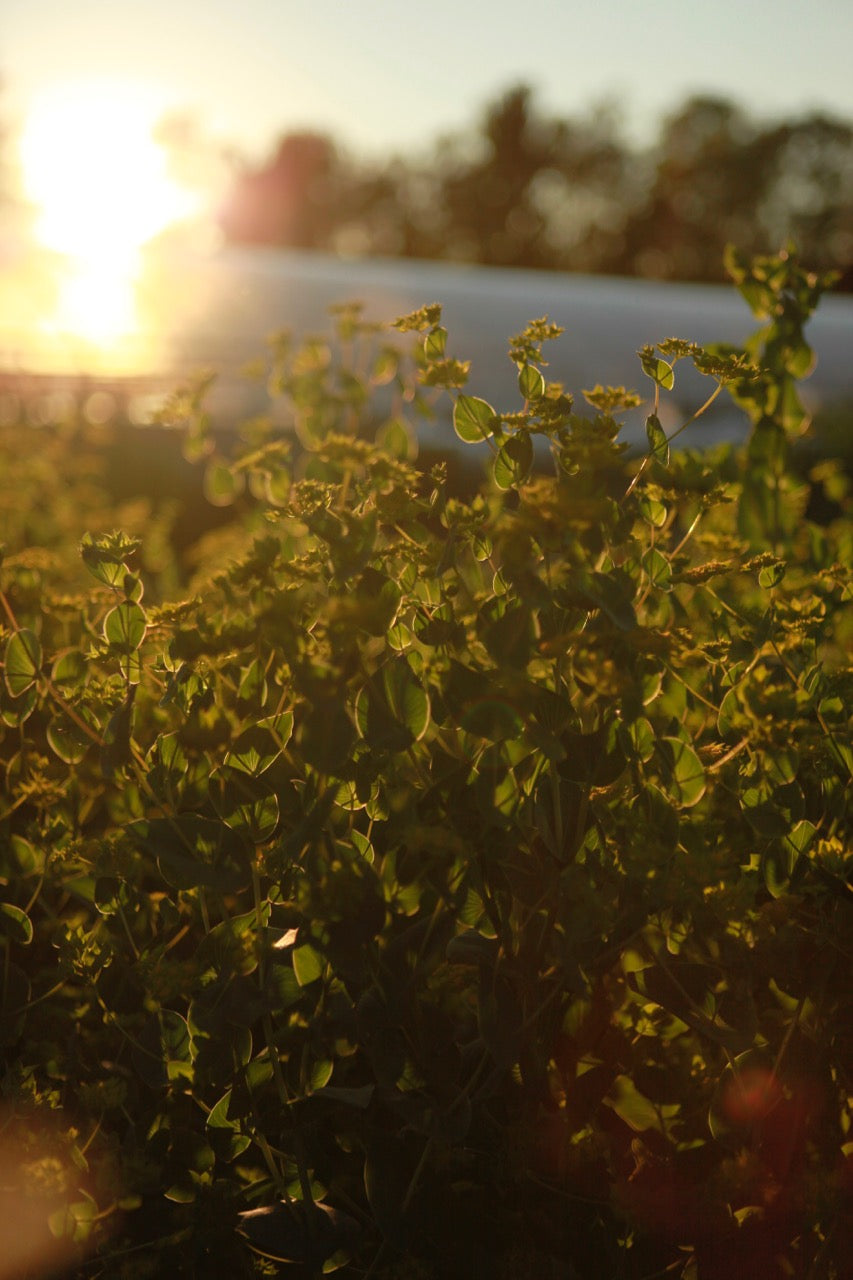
x=101, y=187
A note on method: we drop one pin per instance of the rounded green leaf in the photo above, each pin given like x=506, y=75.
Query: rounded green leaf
x=799, y=359
x=15, y=924
x=659, y=371
x=658, y=569
x=104, y=557
x=393, y=710
x=406, y=696
x=124, y=626
x=320, y=1074
x=161, y=1050
x=658, y=443
x=397, y=438
x=399, y=637
x=800, y=837
x=531, y=384
x=435, y=343
x=652, y=511
x=771, y=575
x=634, y=1107
x=254, y=751
x=514, y=460
x=729, y=715
x=687, y=779
x=222, y=485
x=473, y=419
x=492, y=719
x=17, y=710
x=68, y=740
x=642, y=738
x=307, y=964
x=69, y=670
x=22, y=662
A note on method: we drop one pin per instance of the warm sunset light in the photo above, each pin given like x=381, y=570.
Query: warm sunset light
x=102, y=190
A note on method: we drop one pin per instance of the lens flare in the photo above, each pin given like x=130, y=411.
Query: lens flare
x=101, y=187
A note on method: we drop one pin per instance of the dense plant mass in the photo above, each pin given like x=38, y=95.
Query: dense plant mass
x=443, y=887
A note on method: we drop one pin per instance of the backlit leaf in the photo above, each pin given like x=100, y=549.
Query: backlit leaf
x=687, y=780
x=307, y=964
x=514, y=460
x=531, y=384
x=659, y=371
x=656, y=436
x=124, y=626
x=473, y=419
x=22, y=662
x=15, y=924
x=633, y=1107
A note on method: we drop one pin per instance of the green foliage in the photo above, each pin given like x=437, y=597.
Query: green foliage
x=446, y=882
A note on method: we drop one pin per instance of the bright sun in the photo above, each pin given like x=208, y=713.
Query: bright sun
x=100, y=184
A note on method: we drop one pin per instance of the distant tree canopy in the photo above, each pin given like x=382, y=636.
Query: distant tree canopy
x=525, y=190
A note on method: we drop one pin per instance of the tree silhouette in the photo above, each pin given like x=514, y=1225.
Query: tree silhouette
x=525, y=189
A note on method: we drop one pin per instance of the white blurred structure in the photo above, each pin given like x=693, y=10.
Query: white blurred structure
x=216, y=311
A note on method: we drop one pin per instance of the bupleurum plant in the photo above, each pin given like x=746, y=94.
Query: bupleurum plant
x=449, y=885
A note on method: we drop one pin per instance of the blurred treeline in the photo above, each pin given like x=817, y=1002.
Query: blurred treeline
x=524, y=189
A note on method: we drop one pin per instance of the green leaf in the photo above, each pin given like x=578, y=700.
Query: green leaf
x=634, y=1107
x=659, y=371
x=435, y=343
x=115, y=751
x=124, y=626
x=307, y=964
x=222, y=485
x=730, y=715
x=162, y=1049
x=219, y=1118
x=652, y=511
x=746, y=1093
x=15, y=924
x=531, y=384
x=642, y=738
x=104, y=556
x=658, y=569
x=254, y=751
x=394, y=710
x=771, y=575
x=799, y=358
x=69, y=670
x=687, y=778
x=800, y=837
x=397, y=438
x=22, y=662
x=320, y=1074
x=406, y=697
x=300, y=1232
x=66, y=738
x=473, y=419
x=17, y=710
x=658, y=443
x=514, y=460
x=74, y=1222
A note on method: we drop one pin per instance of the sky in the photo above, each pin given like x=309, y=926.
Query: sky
x=386, y=75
